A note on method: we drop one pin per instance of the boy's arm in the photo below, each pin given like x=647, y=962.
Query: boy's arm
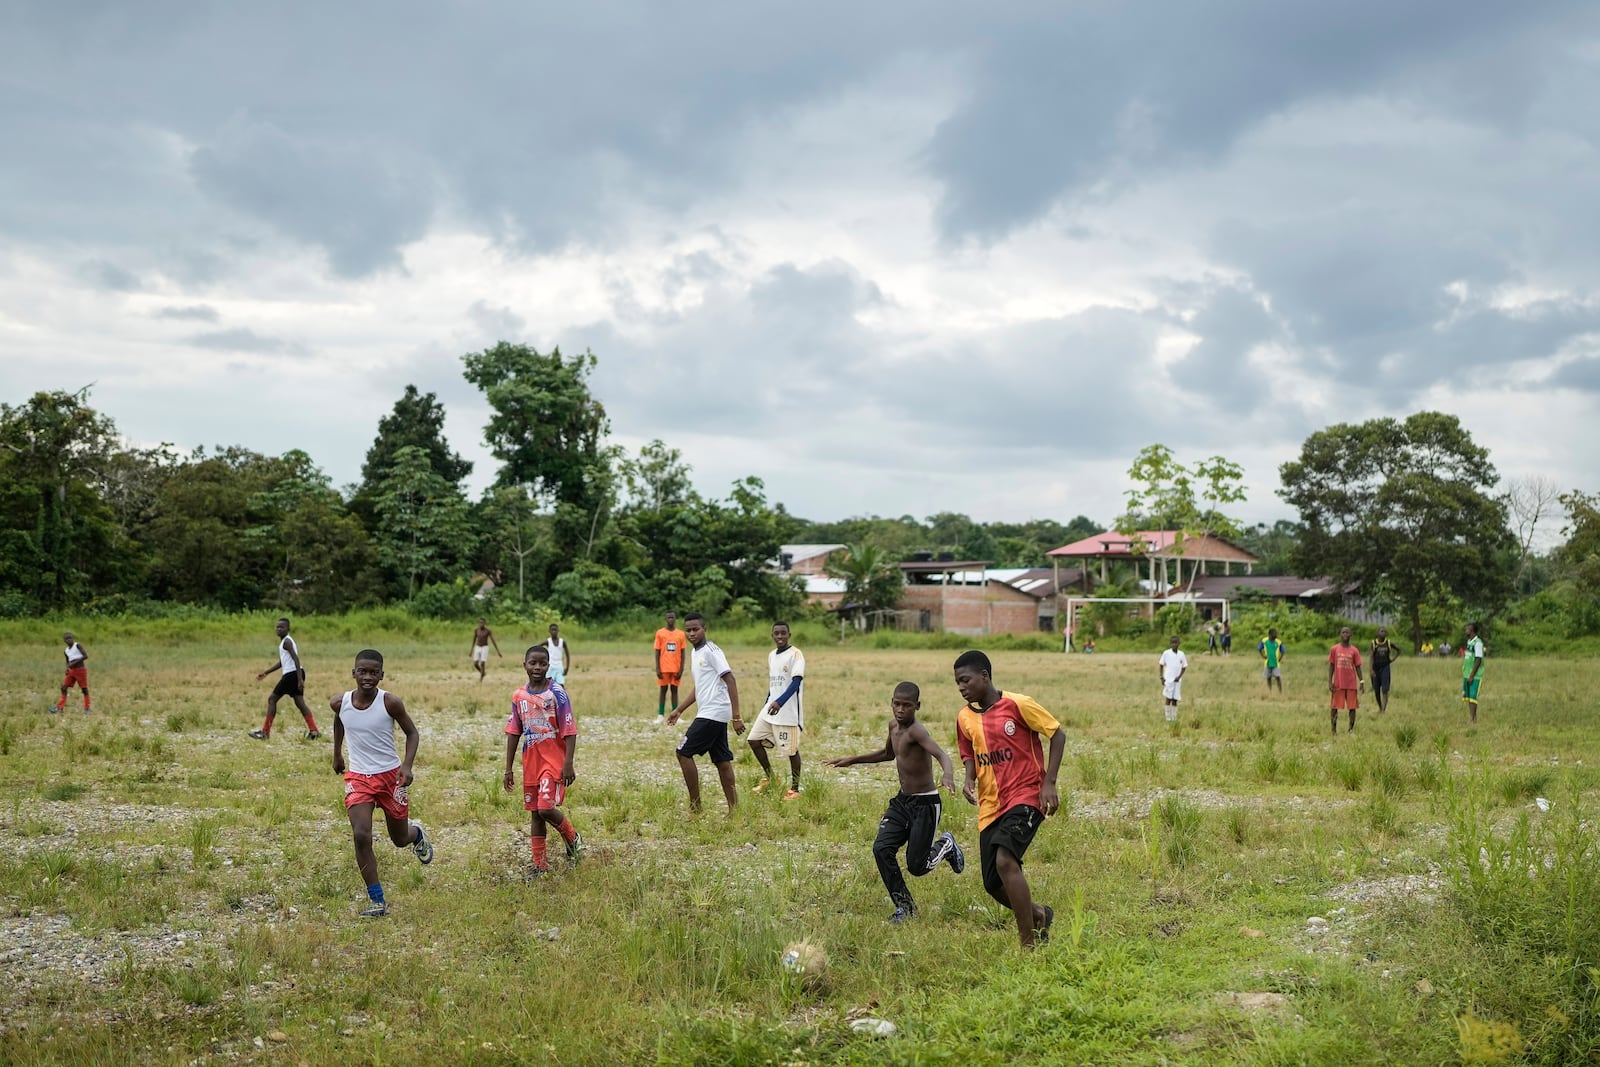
x=922, y=737
x=84, y=652
x=294, y=654
x=1049, y=798
x=511, y=755
x=338, y=743
x=782, y=698
x=683, y=705
x=496, y=645
x=882, y=755
x=268, y=671
x=397, y=711
x=967, y=786
x=658, y=661
x=733, y=698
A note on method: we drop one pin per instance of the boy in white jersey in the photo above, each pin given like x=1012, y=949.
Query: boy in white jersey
x=292, y=684
x=77, y=672
x=1173, y=665
x=717, y=693
x=781, y=722
x=376, y=777
x=560, y=655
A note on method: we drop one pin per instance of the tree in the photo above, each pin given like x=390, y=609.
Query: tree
x=1402, y=507
x=417, y=421
x=1530, y=499
x=658, y=478
x=871, y=579
x=1167, y=495
x=426, y=525
x=511, y=527
x=318, y=551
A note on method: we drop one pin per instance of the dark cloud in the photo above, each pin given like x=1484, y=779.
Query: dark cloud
x=247, y=341
x=191, y=313
x=103, y=275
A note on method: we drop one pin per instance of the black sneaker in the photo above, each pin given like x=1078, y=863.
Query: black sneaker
x=957, y=858
x=1041, y=934
x=902, y=915
x=575, y=847
x=312, y=735
x=259, y=735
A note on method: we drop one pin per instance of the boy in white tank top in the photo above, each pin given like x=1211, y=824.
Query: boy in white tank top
x=377, y=776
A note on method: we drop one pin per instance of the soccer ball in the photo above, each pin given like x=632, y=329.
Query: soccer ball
x=805, y=961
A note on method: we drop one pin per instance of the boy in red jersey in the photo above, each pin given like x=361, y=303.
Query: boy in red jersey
x=998, y=735
x=541, y=717
x=1344, y=679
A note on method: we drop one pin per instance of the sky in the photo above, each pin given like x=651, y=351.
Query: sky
x=891, y=258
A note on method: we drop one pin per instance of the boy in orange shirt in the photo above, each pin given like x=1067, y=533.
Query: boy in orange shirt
x=669, y=664
x=998, y=735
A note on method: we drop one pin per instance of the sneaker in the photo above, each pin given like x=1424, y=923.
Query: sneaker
x=791, y=794
x=312, y=735
x=761, y=786
x=86, y=709
x=54, y=710
x=259, y=735
x=422, y=846
x=575, y=847
x=901, y=915
x=535, y=873
x=1041, y=934
x=376, y=911
x=957, y=858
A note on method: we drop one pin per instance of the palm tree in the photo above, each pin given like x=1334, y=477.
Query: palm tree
x=872, y=581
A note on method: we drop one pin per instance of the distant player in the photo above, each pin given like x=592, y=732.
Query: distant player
x=1383, y=655
x=670, y=642
x=1471, y=670
x=717, y=693
x=1272, y=651
x=1344, y=679
x=560, y=655
x=1174, y=664
x=782, y=719
x=1008, y=778
x=377, y=776
x=292, y=684
x=482, y=638
x=912, y=818
x=1227, y=638
x=543, y=722
x=77, y=673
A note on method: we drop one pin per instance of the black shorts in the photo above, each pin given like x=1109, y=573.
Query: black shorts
x=290, y=685
x=1012, y=831
x=706, y=737
x=1380, y=678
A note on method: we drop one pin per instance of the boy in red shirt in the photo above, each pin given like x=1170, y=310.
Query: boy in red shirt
x=1007, y=777
x=542, y=720
x=1344, y=679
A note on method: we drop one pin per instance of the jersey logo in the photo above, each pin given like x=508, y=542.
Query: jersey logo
x=1011, y=728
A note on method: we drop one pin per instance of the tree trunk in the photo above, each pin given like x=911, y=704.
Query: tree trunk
x=1416, y=627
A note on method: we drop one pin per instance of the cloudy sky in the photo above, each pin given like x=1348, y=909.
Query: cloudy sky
x=892, y=257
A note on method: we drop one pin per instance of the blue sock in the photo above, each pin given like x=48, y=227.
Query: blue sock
x=375, y=892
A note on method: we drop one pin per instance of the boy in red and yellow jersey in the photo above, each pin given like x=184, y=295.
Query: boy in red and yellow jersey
x=998, y=735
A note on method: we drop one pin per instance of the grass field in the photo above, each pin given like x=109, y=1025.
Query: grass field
x=1243, y=888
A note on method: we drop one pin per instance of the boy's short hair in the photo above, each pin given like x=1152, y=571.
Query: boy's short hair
x=284, y=619
x=909, y=689
x=781, y=623
x=370, y=653
x=974, y=660
x=536, y=648
x=1473, y=626
x=693, y=615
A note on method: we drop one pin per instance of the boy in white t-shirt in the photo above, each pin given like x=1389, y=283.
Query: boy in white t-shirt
x=1173, y=665
x=291, y=684
x=717, y=693
x=782, y=719
x=77, y=672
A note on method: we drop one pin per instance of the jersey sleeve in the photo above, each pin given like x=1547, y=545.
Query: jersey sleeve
x=566, y=721
x=719, y=662
x=1356, y=653
x=799, y=664
x=1039, y=720
x=514, y=723
x=963, y=744
x=661, y=640
x=1183, y=664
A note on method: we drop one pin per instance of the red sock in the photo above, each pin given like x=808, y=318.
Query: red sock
x=566, y=831
x=62, y=702
x=266, y=725
x=311, y=723
x=540, y=860
x=86, y=698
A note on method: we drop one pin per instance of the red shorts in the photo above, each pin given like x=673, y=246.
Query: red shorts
x=669, y=677
x=76, y=676
x=384, y=790
x=541, y=776
x=1346, y=698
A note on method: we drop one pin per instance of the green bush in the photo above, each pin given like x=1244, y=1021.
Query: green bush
x=447, y=600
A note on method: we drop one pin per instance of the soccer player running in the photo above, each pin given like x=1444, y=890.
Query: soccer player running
x=782, y=719
x=1472, y=670
x=912, y=818
x=1383, y=655
x=1344, y=679
x=377, y=776
x=292, y=684
x=1272, y=651
x=543, y=722
x=669, y=664
x=717, y=693
x=998, y=735
x=77, y=673
x=1174, y=665
x=482, y=638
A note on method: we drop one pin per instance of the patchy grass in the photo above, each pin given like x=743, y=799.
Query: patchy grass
x=175, y=891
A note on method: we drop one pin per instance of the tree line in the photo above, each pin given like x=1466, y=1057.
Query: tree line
x=1410, y=510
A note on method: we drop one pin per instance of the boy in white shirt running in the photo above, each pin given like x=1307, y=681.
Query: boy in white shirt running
x=782, y=719
x=376, y=777
x=1173, y=665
